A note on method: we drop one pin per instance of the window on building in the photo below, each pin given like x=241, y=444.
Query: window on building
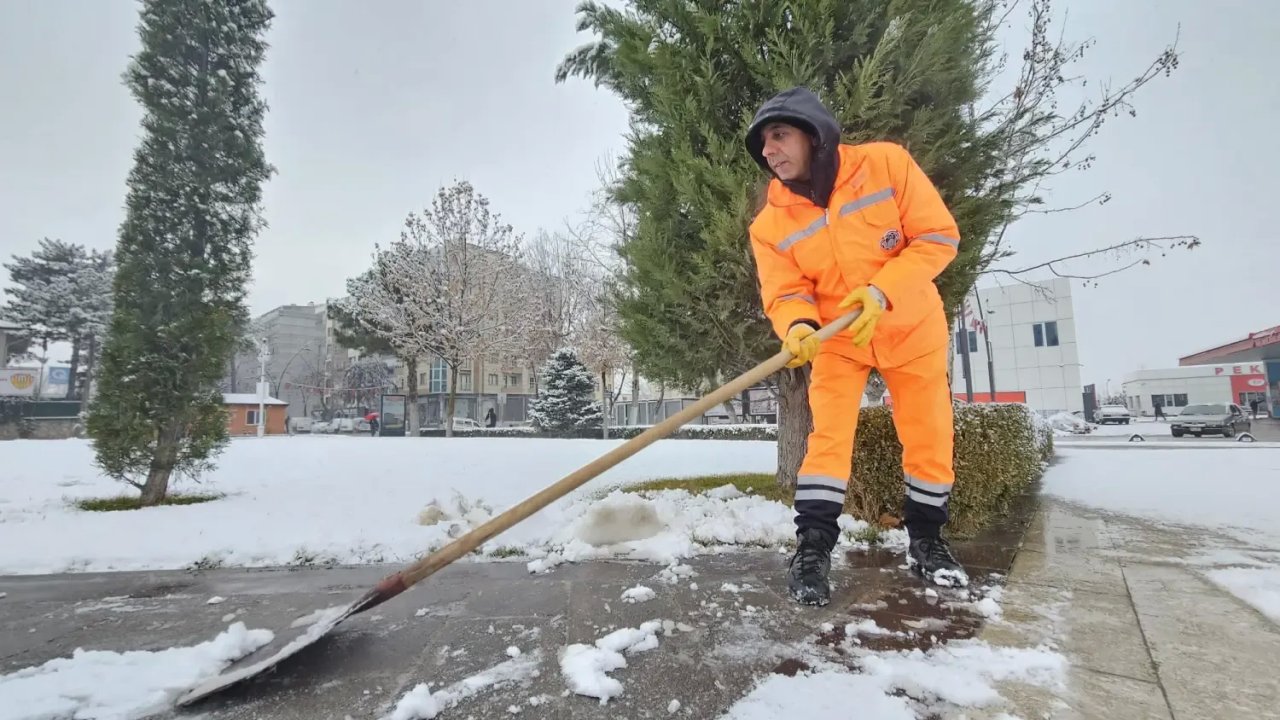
x=439, y=371
x=1046, y=333
x=1169, y=400
x=464, y=380
x=973, y=340
x=422, y=379
x=251, y=417
x=493, y=379
x=515, y=380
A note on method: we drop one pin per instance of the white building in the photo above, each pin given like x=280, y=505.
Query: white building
x=1193, y=385
x=1032, y=335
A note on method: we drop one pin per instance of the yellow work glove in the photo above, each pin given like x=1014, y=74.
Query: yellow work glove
x=872, y=302
x=801, y=342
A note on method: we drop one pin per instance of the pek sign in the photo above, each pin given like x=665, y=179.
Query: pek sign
x=1253, y=369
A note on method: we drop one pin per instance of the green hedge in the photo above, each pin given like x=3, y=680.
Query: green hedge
x=1000, y=449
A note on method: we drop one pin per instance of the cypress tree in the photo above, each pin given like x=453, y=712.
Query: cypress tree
x=184, y=250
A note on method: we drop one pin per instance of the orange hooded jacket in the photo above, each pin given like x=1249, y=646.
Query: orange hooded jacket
x=869, y=216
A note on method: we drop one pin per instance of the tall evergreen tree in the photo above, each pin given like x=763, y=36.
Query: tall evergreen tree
x=565, y=402
x=184, y=249
x=693, y=75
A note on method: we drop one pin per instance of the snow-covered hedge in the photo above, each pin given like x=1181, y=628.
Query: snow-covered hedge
x=1000, y=449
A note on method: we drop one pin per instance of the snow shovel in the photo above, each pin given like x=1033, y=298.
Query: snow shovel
x=320, y=623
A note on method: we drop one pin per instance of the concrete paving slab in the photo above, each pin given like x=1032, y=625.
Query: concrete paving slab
x=1074, y=571
x=1216, y=656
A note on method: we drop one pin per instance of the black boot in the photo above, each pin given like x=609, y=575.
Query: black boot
x=931, y=558
x=809, y=569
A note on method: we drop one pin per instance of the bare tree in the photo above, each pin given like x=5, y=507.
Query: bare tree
x=1040, y=142
x=452, y=286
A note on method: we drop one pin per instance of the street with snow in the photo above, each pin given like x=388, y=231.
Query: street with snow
x=612, y=604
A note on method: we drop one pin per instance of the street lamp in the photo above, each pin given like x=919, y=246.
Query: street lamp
x=264, y=355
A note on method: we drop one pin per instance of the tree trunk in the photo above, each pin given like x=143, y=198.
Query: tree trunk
x=156, y=488
x=411, y=366
x=90, y=364
x=633, y=411
x=453, y=396
x=73, y=372
x=795, y=422
x=604, y=409
x=733, y=414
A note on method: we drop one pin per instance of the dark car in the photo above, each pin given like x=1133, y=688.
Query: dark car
x=1226, y=419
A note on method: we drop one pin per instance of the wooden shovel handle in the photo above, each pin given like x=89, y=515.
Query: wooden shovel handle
x=428, y=565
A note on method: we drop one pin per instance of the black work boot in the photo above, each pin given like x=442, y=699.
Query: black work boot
x=931, y=558
x=809, y=569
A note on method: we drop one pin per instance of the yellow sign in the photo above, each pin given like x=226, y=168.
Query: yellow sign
x=17, y=382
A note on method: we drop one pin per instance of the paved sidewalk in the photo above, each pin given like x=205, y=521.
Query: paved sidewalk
x=1147, y=635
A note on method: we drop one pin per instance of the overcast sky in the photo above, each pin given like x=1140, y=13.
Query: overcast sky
x=373, y=106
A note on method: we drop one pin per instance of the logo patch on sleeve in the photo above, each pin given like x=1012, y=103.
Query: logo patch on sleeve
x=890, y=240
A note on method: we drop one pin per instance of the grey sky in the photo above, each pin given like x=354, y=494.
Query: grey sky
x=375, y=105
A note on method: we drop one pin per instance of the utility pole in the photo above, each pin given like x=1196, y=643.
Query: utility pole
x=264, y=355
x=986, y=337
x=963, y=339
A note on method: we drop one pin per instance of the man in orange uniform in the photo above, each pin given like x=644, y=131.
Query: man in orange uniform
x=849, y=226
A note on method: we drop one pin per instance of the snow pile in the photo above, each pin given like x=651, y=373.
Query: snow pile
x=638, y=594
x=962, y=671
x=421, y=703
x=1065, y=423
x=121, y=686
x=1260, y=587
x=691, y=524
x=820, y=695
x=622, y=517
x=586, y=667
x=459, y=514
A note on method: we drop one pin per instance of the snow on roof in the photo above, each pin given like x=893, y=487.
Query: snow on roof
x=248, y=399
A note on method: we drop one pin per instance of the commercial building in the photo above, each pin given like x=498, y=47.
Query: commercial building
x=1028, y=332
x=1178, y=387
x=506, y=388
x=1262, y=347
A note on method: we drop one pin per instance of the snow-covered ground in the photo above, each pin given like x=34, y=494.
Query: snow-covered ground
x=298, y=500
x=1225, y=490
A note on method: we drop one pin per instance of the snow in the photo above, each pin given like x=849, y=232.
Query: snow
x=513, y=652
x=421, y=703
x=1260, y=587
x=317, y=499
x=248, y=399
x=215, y=600
x=820, y=695
x=1207, y=487
x=586, y=667
x=638, y=594
x=673, y=707
x=120, y=686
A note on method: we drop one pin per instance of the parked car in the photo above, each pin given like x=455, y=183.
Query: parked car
x=1118, y=414
x=465, y=424
x=1226, y=419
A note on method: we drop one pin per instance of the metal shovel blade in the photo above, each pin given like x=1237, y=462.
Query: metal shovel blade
x=295, y=639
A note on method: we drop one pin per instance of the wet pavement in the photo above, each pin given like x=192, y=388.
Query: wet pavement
x=1146, y=633
x=727, y=625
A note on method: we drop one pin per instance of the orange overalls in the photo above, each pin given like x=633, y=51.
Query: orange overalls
x=885, y=225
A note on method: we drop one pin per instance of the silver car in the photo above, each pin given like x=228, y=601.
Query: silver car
x=1226, y=419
